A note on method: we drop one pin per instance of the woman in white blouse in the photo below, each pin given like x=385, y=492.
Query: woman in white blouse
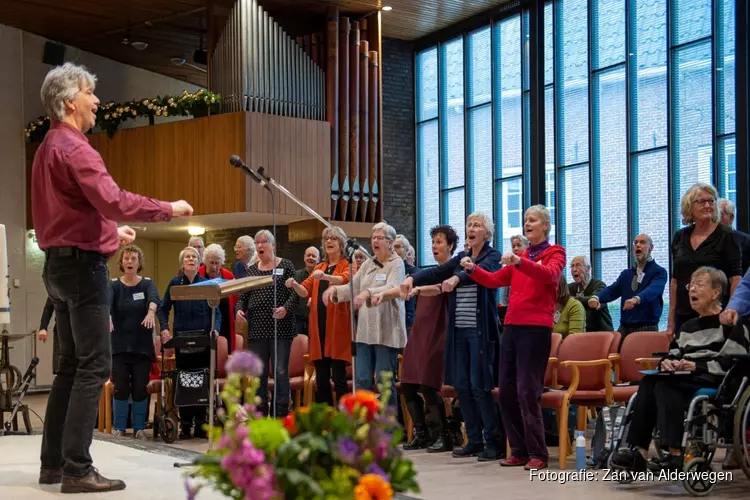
x=381, y=327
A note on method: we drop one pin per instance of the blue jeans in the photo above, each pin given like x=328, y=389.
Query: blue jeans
x=372, y=359
x=480, y=413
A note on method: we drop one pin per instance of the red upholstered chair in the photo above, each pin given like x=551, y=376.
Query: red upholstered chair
x=300, y=371
x=583, y=372
x=637, y=349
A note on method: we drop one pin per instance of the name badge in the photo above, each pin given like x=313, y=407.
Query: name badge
x=279, y=271
x=380, y=277
x=139, y=296
x=640, y=278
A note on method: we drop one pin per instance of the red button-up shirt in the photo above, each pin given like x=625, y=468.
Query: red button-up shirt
x=74, y=200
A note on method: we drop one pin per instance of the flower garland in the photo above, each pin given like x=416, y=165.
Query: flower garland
x=316, y=452
x=110, y=115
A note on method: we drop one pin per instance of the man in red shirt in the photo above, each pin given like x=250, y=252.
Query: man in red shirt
x=75, y=203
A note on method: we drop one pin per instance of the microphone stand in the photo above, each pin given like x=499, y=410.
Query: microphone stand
x=351, y=247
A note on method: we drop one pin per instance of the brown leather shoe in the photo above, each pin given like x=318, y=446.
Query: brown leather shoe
x=50, y=476
x=90, y=483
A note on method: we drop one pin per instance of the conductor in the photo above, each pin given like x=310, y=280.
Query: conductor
x=75, y=204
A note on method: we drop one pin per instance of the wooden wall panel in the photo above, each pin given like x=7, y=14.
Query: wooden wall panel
x=294, y=152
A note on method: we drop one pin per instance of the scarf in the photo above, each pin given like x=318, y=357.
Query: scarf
x=536, y=250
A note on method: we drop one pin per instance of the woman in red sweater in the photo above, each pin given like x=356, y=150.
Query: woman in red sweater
x=533, y=278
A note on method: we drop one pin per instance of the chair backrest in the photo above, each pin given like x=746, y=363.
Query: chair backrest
x=300, y=347
x=585, y=346
x=614, y=347
x=640, y=345
x=222, y=354
x=239, y=342
x=554, y=348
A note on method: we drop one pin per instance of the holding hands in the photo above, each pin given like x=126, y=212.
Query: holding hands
x=510, y=259
x=594, y=303
x=450, y=284
x=467, y=264
x=406, y=288
x=318, y=275
x=361, y=299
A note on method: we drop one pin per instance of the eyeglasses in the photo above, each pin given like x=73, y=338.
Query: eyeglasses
x=330, y=238
x=706, y=202
x=697, y=286
x=379, y=238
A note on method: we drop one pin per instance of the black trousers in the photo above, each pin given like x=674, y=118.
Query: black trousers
x=325, y=369
x=661, y=403
x=130, y=375
x=77, y=283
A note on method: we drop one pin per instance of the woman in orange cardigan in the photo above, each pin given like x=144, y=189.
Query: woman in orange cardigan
x=330, y=330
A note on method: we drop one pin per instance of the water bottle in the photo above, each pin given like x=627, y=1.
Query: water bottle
x=581, y=451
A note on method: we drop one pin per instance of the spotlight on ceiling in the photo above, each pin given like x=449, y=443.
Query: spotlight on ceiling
x=386, y=8
x=177, y=61
x=139, y=45
x=196, y=231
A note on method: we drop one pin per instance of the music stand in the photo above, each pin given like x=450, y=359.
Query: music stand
x=212, y=291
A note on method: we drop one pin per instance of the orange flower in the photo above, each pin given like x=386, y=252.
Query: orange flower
x=361, y=399
x=373, y=487
x=290, y=424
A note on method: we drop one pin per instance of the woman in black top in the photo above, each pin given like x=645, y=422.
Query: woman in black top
x=49, y=308
x=133, y=303
x=703, y=242
x=265, y=318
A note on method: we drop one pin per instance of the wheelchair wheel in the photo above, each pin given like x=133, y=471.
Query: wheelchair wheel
x=694, y=484
x=168, y=430
x=741, y=432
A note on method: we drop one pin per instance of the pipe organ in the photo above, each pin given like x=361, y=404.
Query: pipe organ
x=332, y=74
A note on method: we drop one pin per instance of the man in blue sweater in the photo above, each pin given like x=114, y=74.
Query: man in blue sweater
x=640, y=287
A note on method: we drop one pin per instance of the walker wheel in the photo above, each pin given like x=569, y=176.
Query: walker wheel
x=168, y=430
x=694, y=484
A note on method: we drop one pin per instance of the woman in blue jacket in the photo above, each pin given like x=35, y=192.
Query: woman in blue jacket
x=189, y=316
x=471, y=340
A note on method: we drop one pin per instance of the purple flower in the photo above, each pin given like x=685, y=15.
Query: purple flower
x=375, y=469
x=381, y=450
x=192, y=488
x=348, y=450
x=245, y=363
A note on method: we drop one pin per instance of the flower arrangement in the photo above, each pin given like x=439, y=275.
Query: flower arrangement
x=316, y=452
x=110, y=115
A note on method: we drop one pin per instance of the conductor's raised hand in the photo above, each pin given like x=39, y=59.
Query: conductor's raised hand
x=510, y=259
x=181, y=208
x=126, y=235
x=467, y=264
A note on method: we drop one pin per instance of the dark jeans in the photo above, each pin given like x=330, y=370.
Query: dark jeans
x=375, y=359
x=523, y=360
x=481, y=416
x=264, y=348
x=77, y=283
x=130, y=375
x=325, y=369
x=661, y=402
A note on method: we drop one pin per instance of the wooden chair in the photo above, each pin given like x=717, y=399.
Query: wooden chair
x=583, y=371
x=635, y=355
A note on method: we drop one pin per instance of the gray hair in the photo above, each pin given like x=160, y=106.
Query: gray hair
x=203, y=243
x=339, y=234
x=267, y=234
x=387, y=230
x=692, y=194
x=728, y=206
x=717, y=277
x=250, y=244
x=189, y=249
x=543, y=213
x=217, y=251
x=62, y=84
x=489, y=225
x=520, y=238
x=584, y=258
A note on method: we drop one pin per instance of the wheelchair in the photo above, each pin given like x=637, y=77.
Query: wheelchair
x=716, y=418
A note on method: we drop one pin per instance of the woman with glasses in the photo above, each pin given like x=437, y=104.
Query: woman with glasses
x=381, y=327
x=703, y=242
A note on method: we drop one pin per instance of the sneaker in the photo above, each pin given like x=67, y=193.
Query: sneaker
x=140, y=435
x=631, y=460
x=535, y=464
x=118, y=434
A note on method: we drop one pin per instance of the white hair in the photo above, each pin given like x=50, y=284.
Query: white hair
x=521, y=238
x=584, y=258
x=489, y=225
x=62, y=84
x=267, y=234
x=728, y=206
x=387, y=230
x=186, y=250
x=217, y=251
x=192, y=238
x=339, y=234
x=543, y=213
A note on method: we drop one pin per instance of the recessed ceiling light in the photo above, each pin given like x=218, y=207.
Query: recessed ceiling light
x=177, y=61
x=139, y=45
x=386, y=8
x=196, y=231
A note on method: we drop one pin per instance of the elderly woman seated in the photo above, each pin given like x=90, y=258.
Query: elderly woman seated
x=701, y=347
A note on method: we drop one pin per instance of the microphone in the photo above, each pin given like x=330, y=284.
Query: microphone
x=237, y=162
